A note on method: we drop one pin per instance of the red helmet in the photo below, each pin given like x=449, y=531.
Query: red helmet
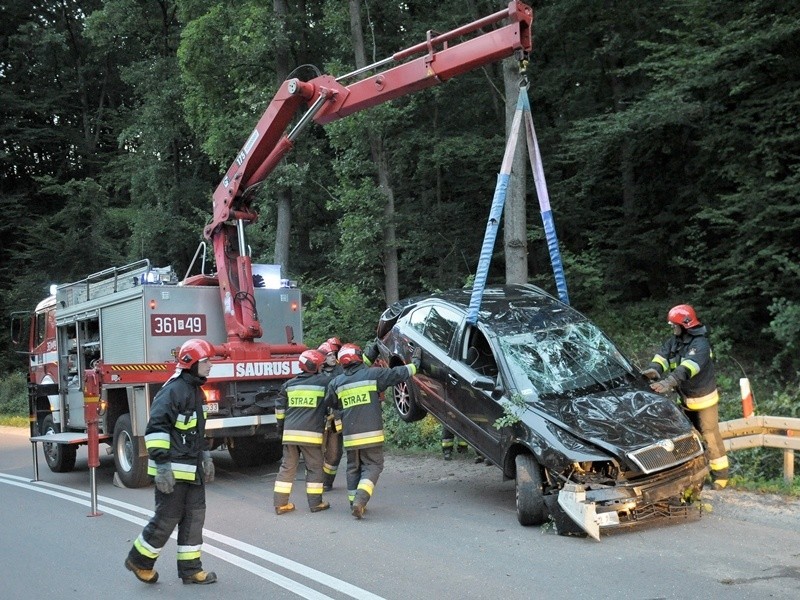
x=683, y=315
x=327, y=348
x=311, y=361
x=350, y=354
x=334, y=343
x=192, y=351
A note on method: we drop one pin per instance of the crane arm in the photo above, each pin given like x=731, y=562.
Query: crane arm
x=437, y=59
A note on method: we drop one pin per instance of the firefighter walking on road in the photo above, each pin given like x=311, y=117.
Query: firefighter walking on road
x=685, y=361
x=356, y=393
x=332, y=453
x=181, y=464
x=301, y=412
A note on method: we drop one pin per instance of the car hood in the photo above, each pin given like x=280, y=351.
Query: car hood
x=617, y=421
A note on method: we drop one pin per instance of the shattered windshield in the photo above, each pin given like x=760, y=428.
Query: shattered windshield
x=562, y=359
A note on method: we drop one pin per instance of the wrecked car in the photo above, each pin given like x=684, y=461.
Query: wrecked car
x=544, y=394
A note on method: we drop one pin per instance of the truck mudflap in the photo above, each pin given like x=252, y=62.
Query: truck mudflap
x=577, y=510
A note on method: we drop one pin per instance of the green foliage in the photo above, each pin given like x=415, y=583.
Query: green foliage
x=512, y=412
x=338, y=309
x=424, y=434
x=14, y=394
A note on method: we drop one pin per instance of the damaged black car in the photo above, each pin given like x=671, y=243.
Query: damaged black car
x=544, y=394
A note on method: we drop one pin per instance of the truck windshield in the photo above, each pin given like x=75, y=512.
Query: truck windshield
x=563, y=359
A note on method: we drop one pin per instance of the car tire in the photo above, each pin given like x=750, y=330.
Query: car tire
x=59, y=457
x=130, y=466
x=531, y=509
x=405, y=402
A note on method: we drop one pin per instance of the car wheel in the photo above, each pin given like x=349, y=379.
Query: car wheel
x=531, y=509
x=406, y=403
x=131, y=468
x=60, y=457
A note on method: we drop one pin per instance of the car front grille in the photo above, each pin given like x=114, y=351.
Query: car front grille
x=667, y=453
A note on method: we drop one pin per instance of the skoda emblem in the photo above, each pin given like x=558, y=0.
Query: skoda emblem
x=667, y=445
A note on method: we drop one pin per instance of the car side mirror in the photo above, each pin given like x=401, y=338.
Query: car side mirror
x=485, y=384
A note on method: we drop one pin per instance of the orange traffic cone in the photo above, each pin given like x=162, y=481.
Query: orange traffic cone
x=747, y=398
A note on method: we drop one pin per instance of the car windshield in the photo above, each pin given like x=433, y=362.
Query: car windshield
x=563, y=359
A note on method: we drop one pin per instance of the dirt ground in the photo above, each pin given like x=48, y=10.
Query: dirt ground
x=766, y=509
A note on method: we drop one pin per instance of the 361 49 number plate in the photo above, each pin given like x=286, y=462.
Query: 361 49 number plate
x=162, y=325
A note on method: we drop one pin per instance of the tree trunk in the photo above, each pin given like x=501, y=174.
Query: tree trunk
x=390, y=270
x=283, y=197
x=515, y=229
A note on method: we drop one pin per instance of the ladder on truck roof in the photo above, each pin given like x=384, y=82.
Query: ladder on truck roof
x=112, y=280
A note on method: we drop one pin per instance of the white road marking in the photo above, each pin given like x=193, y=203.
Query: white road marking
x=77, y=496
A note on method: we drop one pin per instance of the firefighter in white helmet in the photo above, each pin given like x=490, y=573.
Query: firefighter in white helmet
x=182, y=465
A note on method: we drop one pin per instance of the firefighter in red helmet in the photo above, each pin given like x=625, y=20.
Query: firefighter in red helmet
x=332, y=453
x=181, y=463
x=356, y=394
x=301, y=410
x=685, y=365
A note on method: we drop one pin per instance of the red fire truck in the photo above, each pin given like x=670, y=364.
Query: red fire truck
x=113, y=335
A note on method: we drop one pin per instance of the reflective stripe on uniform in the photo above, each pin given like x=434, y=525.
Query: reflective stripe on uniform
x=329, y=469
x=661, y=361
x=313, y=488
x=156, y=440
x=298, y=436
x=282, y=487
x=146, y=549
x=362, y=439
x=186, y=422
x=180, y=471
x=718, y=464
x=693, y=367
x=280, y=414
x=367, y=486
x=703, y=401
x=189, y=552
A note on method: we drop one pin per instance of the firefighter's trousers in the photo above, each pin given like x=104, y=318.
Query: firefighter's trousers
x=185, y=508
x=364, y=466
x=332, y=455
x=706, y=421
x=288, y=471
x=449, y=440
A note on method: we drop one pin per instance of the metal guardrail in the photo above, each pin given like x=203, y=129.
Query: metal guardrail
x=766, y=432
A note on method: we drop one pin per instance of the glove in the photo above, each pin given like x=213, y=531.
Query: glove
x=372, y=352
x=165, y=480
x=665, y=385
x=208, y=467
x=651, y=374
x=416, y=357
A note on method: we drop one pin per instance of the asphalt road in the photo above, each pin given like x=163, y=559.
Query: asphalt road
x=434, y=530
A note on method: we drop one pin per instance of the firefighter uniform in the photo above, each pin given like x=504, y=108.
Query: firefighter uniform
x=175, y=435
x=332, y=445
x=356, y=395
x=449, y=441
x=688, y=358
x=301, y=412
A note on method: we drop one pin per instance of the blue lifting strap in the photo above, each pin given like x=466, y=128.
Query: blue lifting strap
x=523, y=110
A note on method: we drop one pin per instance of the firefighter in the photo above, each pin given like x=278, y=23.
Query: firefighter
x=448, y=442
x=181, y=463
x=356, y=396
x=685, y=364
x=332, y=454
x=301, y=410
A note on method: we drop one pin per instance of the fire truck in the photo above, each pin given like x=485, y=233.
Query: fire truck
x=113, y=335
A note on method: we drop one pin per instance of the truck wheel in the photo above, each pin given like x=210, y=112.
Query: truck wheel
x=405, y=402
x=60, y=457
x=131, y=468
x=531, y=509
x=252, y=452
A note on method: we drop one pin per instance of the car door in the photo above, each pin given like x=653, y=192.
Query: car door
x=427, y=382
x=473, y=389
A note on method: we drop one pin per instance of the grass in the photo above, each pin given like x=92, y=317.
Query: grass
x=13, y=421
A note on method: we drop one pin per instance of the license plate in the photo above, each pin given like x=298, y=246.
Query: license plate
x=212, y=407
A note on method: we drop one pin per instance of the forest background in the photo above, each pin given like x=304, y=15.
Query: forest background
x=668, y=131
